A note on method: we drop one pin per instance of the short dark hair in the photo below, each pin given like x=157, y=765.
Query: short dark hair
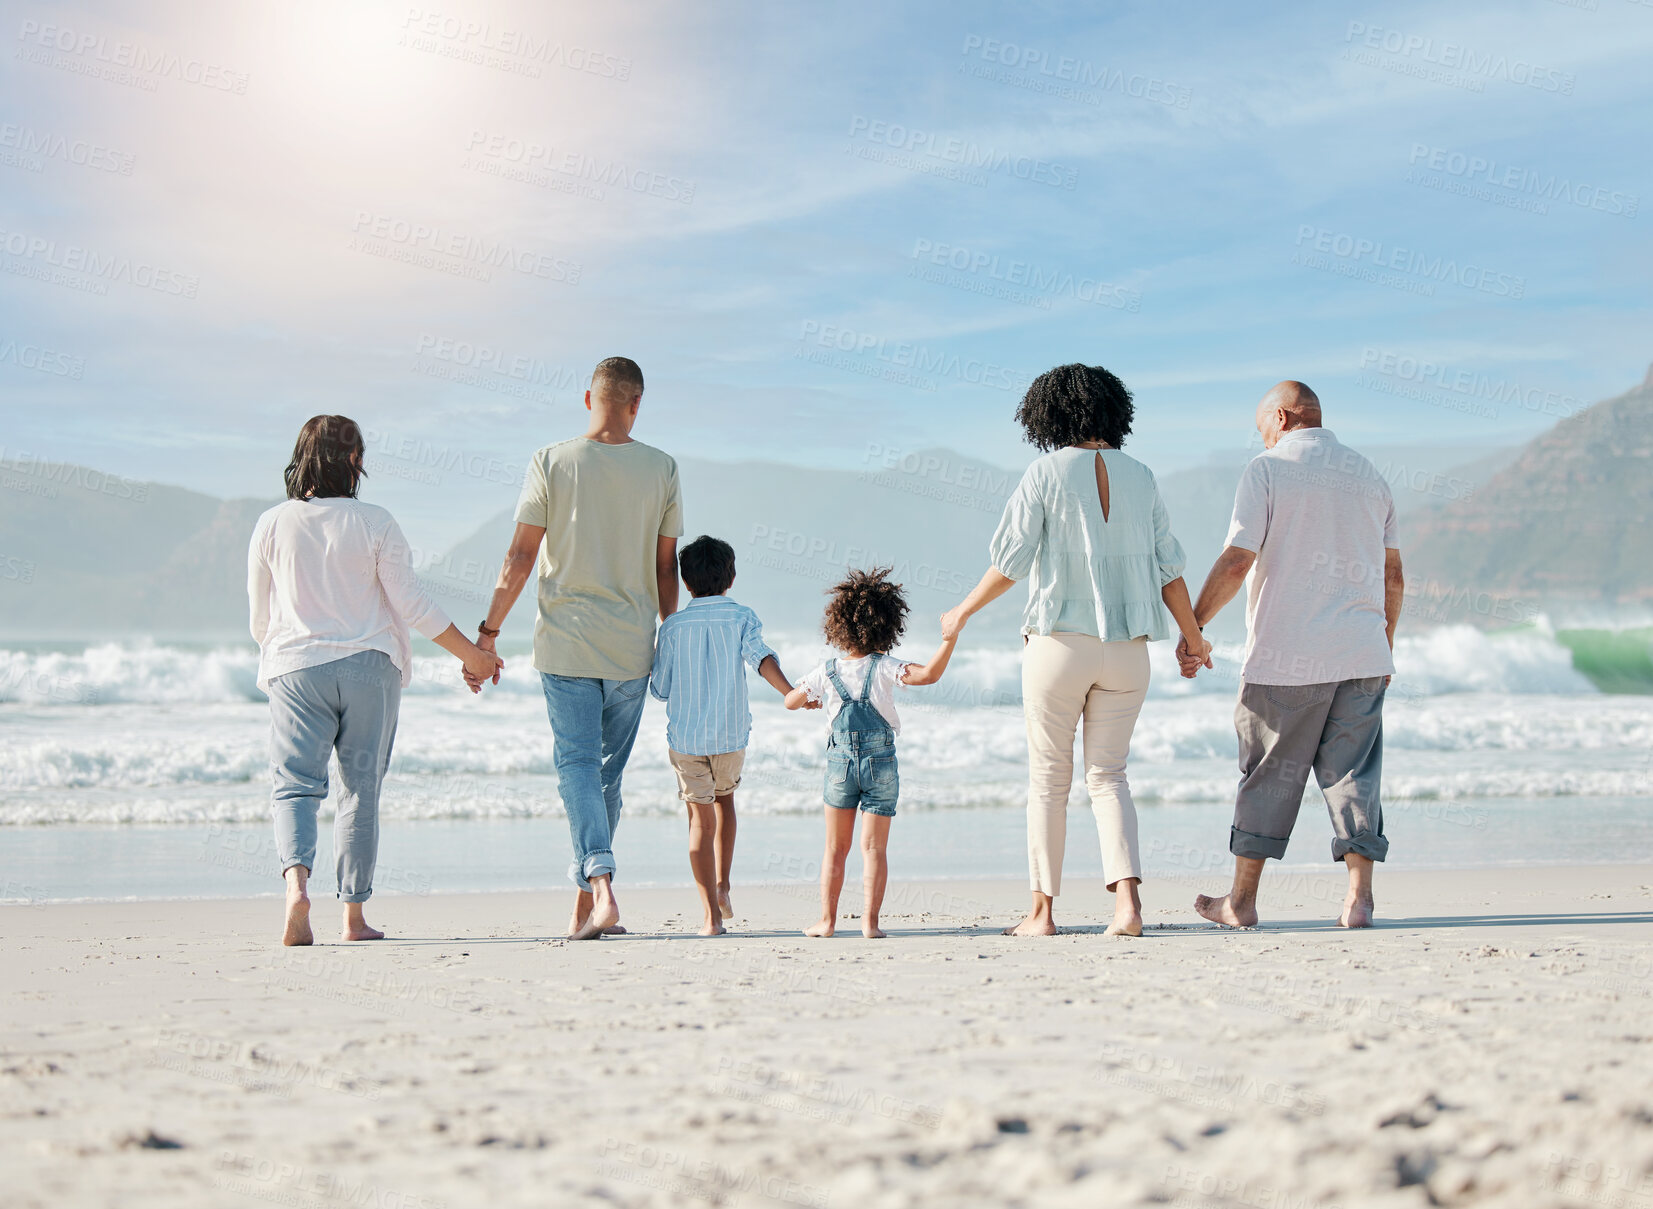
x=867, y=613
x=707, y=565
x=620, y=372
x=1075, y=403
x=327, y=459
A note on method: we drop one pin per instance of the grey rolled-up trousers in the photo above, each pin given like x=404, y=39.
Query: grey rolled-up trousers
x=349, y=706
x=1335, y=729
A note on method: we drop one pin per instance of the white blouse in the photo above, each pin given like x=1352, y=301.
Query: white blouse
x=327, y=578
x=1087, y=575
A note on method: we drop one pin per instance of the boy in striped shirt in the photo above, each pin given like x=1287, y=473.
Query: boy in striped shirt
x=698, y=672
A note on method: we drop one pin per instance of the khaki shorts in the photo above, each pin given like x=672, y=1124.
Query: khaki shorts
x=705, y=778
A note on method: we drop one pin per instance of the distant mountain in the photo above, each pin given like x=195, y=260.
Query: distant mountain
x=1569, y=520
x=929, y=514
x=88, y=555
x=85, y=554
x=795, y=531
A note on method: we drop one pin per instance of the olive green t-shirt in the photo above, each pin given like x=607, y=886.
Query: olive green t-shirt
x=602, y=507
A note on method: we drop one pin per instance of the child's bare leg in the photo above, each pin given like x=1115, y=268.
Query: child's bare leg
x=840, y=832
x=703, y=864
x=875, y=837
x=725, y=851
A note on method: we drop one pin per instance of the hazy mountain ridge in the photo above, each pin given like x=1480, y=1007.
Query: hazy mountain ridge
x=87, y=555
x=1567, y=520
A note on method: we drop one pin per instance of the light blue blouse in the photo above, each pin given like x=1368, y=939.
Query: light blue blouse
x=1087, y=575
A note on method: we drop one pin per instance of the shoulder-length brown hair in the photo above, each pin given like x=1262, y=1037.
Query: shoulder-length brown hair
x=327, y=459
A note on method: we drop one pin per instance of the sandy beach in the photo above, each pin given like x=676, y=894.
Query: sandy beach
x=1488, y=1044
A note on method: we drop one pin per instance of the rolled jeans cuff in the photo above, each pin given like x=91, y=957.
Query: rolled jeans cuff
x=595, y=864
x=1255, y=847
x=360, y=896
x=1367, y=844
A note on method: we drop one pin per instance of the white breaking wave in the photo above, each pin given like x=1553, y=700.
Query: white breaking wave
x=1451, y=659
x=492, y=757
x=140, y=732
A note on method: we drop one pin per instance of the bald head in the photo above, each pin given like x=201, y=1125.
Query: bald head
x=1287, y=405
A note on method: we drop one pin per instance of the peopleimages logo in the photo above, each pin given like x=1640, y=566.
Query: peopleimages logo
x=1026, y=274
x=961, y=153
x=92, y=267
x=100, y=50
x=915, y=357
x=1453, y=57
x=1382, y=257
x=46, y=145
x=418, y=243
x=1426, y=375
x=479, y=38
x=1070, y=78
x=41, y=359
x=466, y=355
x=1547, y=186
x=528, y=155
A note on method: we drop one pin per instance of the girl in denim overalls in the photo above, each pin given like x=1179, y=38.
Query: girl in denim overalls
x=864, y=619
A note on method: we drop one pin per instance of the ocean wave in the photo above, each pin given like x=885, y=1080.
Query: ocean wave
x=492, y=756
x=112, y=673
x=1440, y=662
x=1445, y=794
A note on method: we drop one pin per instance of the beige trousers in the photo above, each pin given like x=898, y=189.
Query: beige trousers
x=1066, y=679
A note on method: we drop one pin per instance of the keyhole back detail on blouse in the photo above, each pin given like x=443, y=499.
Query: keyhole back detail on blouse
x=1102, y=485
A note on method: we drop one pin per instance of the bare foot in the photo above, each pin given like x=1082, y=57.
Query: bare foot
x=1033, y=925
x=825, y=928
x=1357, y=913
x=872, y=931
x=1127, y=924
x=605, y=914
x=298, y=930
x=576, y=921
x=723, y=902
x=713, y=927
x=361, y=932
x=1221, y=911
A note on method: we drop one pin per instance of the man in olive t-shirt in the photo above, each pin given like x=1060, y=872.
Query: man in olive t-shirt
x=600, y=515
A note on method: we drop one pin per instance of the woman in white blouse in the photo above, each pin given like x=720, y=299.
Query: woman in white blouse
x=333, y=593
x=1087, y=529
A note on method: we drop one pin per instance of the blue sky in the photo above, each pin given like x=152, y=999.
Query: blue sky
x=820, y=229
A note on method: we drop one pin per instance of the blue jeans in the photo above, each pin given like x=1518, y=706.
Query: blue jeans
x=593, y=725
x=348, y=705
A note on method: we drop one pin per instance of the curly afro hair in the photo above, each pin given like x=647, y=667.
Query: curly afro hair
x=1072, y=404
x=866, y=614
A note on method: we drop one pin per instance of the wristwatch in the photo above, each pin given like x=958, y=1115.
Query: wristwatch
x=482, y=628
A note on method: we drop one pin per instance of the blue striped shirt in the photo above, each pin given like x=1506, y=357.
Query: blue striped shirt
x=698, y=674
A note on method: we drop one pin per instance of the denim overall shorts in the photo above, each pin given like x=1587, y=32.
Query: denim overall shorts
x=861, y=770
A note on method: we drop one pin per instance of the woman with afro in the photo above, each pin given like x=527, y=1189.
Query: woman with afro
x=1087, y=530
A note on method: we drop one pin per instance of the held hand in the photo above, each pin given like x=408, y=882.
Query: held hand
x=811, y=703
x=952, y=622
x=482, y=665
x=1190, y=658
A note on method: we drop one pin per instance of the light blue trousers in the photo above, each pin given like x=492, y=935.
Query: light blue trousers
x=593, y=725
x=349, y=706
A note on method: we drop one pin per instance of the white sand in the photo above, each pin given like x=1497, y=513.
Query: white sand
x=1490, y=1044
